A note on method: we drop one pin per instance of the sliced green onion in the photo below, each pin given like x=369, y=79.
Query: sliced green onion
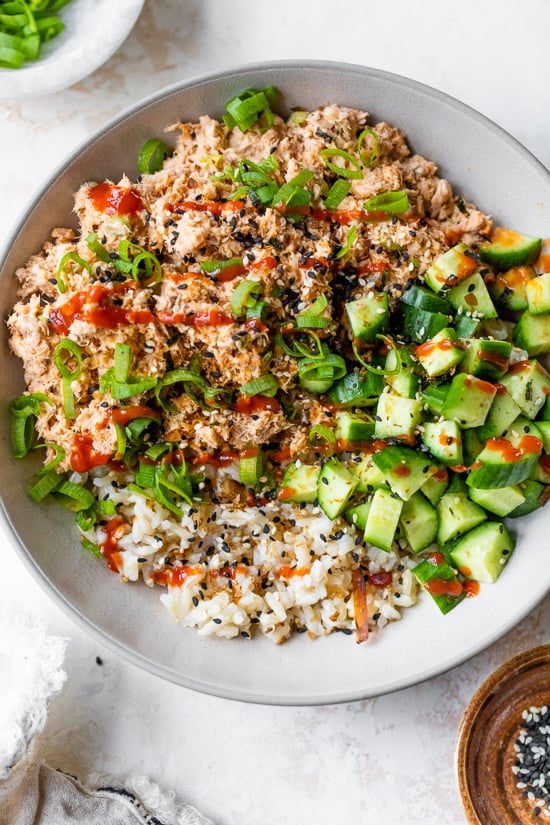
x=215, y=267
x=251, y=467
x=44, y=485
x=73, y=496
x=298, y=117
x=350, y=240
x=152, y=155
x=66, y=348
x=244, y=295
x=249, y=107
x=91, y=547
x=98, y=249
x=24, y=26
x=69, y=257
x=121, y=440
x=318, y=374
x=123, y=362
x=58, y=458
x=352, y=171
x=68, y=398
x=156, y=451
x=146, y=474
x=263, y=385
x=136, y=385
x=378, y=370
x=368, y=160
x=24, y=410
x=336, y=194
x=394, y=203
x=311, y=318
x=319, y=434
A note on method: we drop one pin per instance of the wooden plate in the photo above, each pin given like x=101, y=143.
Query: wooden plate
x=488, y=732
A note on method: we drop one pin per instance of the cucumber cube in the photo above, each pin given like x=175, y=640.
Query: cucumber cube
x=396, y=416
x=502, y=413
x=444, y=441
x=419, y=324
x=487, y=358
x=482, y=553
x=434, y=397
x=360, y=388
x=538, y=294
x=533, y=492
x=529, y=385
x=435, y=486
x=510, y=248
x=450, y=268
x=419, y=522
x=441, y=353
x=368, y=316
x=532, y=333
x=504, y=462
x=405, y=469
x=369, y=476
x=439, y=579
x=353, y=428
x=335, y=486
x=299, y=483
x=457, y=514
x=471, y=295
x=422, y=298
x=501, y=502
x=469, y=400
x=382, y=519
x=509, y=289
x=405, y=380
x=358, y=515
x=466, y=325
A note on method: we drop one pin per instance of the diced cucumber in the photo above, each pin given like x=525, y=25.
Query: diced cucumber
x=434, y=396
x=404, y=469
x=529, y=385
x=441, y=353
x=532, y=333
x=457, y=515
x=504, y=462
x=471, y=295
x=422, y=298
x=299, y=483
x=440, y=580
x=419, y=522
x=353, y=428
x=472, y=445
x=434, y=487
x=501, y=502
x=538, y=294
x=544, y=432
x=396, y=416
x=509, y=289
x=404, y=381
x=369, y=476
x=533, y=492
x=335, y=486
x=457, y=484
x=368, y=316
x=450, y=268
x=382, y=519
x=419, y=324
x=502, y=413
x=541, y=470
x=360, y=388
x=469, y=400
x=466, y=325
x=358, y=515
x=510, y=248
x=482, y=553
x=444, y=441
x=487, y=359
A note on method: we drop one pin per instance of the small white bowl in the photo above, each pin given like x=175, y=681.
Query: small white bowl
x=94, y=30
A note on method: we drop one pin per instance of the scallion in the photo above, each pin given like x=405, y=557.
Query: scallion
x=73, y=496
x=368, y=159
x=24, y=26
x=350, y=240
x=352, y=171
x=244, y=296
x=24, y=411
x=250, y=466
x=152, y=155
x=123, y=362
x=394, y=203
x=69, y=257
x=263, y=385
x=321, y=434
x=250, y=107
x=336, y=194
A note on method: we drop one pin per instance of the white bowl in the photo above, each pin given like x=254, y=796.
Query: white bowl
x=485, y=165
x=94, y=30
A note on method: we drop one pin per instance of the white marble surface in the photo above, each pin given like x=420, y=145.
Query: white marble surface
x=385, y=760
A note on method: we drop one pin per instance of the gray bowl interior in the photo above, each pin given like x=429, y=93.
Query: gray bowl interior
x=484, y=165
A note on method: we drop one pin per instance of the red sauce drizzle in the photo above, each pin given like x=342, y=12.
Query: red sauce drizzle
x=471, y=589
x=429, y=347
x=250, y=404
x=121, y=415
x=83, y=455
x=113, y=200
x=214, y=207
x=382, y=579
x=109, y=546
x=442, y=587
x=528, y=444
x=288, y=572
x=175, y=576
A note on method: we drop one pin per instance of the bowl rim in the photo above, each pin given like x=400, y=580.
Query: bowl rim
x=73, y=612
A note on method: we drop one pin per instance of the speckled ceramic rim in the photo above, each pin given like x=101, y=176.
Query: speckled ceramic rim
x=524, y=662
x=357, y=680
